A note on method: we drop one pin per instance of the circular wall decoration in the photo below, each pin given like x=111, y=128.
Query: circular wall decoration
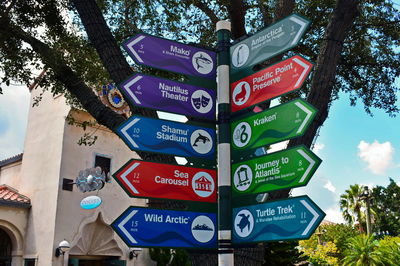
x=115, y=98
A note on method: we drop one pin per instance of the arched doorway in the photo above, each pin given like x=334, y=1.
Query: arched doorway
x=5, y=248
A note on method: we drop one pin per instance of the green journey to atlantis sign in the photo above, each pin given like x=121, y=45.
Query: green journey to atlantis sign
x=279, y=170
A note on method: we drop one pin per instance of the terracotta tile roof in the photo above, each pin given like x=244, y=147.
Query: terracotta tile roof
x=10, y=196
x=11, y=160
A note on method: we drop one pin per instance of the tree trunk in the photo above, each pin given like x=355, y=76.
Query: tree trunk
x=343, y=17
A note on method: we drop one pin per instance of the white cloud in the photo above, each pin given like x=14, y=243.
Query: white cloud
x=329, y=186
x=334, y=214
x=377, y=155
x=318, y=147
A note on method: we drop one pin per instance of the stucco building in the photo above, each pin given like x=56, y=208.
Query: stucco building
x=38, y=209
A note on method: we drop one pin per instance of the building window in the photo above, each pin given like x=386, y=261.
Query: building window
x=29, y=262
x=104, y=163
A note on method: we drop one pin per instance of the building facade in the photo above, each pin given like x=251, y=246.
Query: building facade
x=39, y=207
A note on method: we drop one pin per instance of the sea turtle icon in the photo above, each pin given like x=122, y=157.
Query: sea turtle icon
x=244, y=222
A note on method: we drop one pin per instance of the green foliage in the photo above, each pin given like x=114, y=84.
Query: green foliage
x=389, y=248
x=367, y=70
x=386, y=203
x=366, y=250
x=327, y=244
x=350, y=204
x=362, y=250
x=281, y=253
x=169, y=257
x=326, y=254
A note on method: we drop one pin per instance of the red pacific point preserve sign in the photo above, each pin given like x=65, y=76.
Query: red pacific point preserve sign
x=276, y=80
x=145, y=179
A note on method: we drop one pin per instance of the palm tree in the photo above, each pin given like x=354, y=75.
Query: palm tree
x=350, y=205
x=363, y=250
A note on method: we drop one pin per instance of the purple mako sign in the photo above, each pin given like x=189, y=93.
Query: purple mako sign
x=172, y=56
x=170, y=96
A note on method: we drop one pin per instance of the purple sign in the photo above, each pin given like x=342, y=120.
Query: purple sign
x=170, y=96
x=172, y=56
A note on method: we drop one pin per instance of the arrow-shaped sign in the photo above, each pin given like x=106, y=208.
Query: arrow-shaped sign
x=280, y=170
x=170, y=96
x=276, y=80
x=276, y=124
x=163, y=136
x=167, y=181
x=273, y=40
x=293, y=218
x=172, y=56
x=146, y=227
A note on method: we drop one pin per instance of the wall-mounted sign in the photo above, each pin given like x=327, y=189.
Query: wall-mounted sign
x=90, y=202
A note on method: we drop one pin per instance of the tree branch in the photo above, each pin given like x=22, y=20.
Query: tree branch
x=237, y=12
x=266, y=17
x=203, y=7
x=102, y=39
x=342, y=19
x=66, y=75
x=110, y=54
x=283, y=9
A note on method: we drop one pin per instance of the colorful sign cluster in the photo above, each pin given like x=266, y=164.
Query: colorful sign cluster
x=293, y=218
x=166, y=228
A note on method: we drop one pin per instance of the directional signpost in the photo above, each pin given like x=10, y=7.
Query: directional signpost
x=145, y=227
x=162, y=136
x=276, y=124
x=281, y=78
x=293, y=218
x=280, y=170
x=172, y=56
x=167, y=181
x=170, y=96
x=271, y=41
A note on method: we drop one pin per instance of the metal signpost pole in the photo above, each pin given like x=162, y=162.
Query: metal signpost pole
x=225, y=251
